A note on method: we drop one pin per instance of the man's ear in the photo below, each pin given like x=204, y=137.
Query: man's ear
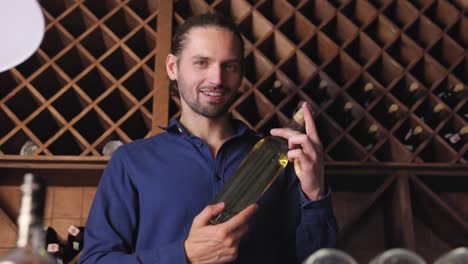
x=171, y=66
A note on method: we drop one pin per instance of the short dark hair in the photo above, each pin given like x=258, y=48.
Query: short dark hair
x=179, y=39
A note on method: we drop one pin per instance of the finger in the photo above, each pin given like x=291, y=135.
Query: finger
x=310, y=127
x=240, y=232
x=203, y=218
x=284, y=132
x=299, y=158
x=304, y=141
x=241, y=218
x=294, y=154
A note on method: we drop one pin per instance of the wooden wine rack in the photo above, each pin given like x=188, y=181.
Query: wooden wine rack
x=99, y=75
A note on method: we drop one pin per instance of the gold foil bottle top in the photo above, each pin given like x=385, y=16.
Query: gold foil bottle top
x=373, y=129
x=438, y=108
x=458, y=88
x=323, y=84
x=277, y=84
x=463, y=131
x=393, y=108
x=348, y=106
x=368, y=87
x=414, y=87
x=298, y=116
x=417, y=130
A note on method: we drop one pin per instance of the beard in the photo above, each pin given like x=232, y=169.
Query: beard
x=208, y=109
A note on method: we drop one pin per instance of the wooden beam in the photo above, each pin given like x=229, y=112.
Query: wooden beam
x=402, y=214
x=161, y=95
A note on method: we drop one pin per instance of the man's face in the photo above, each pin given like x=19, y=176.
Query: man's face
x=208, y=71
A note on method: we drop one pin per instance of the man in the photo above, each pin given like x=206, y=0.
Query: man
x=153, y=202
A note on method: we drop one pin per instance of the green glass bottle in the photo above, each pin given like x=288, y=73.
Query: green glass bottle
x=256, y=173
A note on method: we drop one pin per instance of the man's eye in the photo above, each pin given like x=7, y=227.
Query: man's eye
x=231, y=67
x=201, y=63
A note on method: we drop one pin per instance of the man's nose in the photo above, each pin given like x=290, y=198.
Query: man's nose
x=216, y=75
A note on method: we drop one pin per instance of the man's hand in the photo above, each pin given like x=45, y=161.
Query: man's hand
x=307, y=153
x=219, y=243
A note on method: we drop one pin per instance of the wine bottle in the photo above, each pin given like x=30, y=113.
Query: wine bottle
x=398, y=255
x=53, y=245
x=370, y=139
x=413, y=93
x=457, y=139
x=275, y=94
x=330, y=256
x=391, y=117
x=433, y=117
x=74, y=242
x=256, y=173
x=412, y=138
x=367, y=94
x=110, y=147
x=454, y=256
x=452, y=96
x=28, y=148
x=321, y=96
x=347, y=114
x=30, y=246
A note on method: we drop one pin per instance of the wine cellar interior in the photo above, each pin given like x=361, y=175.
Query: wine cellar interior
x=387, y=64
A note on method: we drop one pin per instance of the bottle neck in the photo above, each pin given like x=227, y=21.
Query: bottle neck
x=295, y=126
x=30, y=230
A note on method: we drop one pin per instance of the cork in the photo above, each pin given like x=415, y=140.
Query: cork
x=463, y=131
x=323, y=84
x=393, y=108
x=414, y=87
x=348, y=106
x=373, y=129
x=458, y=88
x=277, y=84
x=438, y=108
x=417, y=130
x=368, y=87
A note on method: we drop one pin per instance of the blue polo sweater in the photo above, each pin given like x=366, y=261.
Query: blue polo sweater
x=152, y=189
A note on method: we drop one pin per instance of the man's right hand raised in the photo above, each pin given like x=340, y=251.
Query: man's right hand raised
x=219, y=243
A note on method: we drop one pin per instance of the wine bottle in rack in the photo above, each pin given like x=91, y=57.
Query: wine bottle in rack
x=452, y=96
x=275, y=94
x=322, y=95
x=74, y=242
x=413, y=94
x=256, y=173
x=347, y=114
x=433, y=117
x=370, y=139
x=367, y=94
x=457, y=139
x=30, y=246
x=412, y=138
x=391, y=116
x=28, y=148
x=110, y=147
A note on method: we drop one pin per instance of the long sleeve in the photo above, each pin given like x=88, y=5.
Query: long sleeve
x=113, y=222
x=317, y=227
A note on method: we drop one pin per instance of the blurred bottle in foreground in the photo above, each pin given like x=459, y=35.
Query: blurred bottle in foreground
x=330, y=256
x=398, y=256
x=30, y=246
x=455, y=256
